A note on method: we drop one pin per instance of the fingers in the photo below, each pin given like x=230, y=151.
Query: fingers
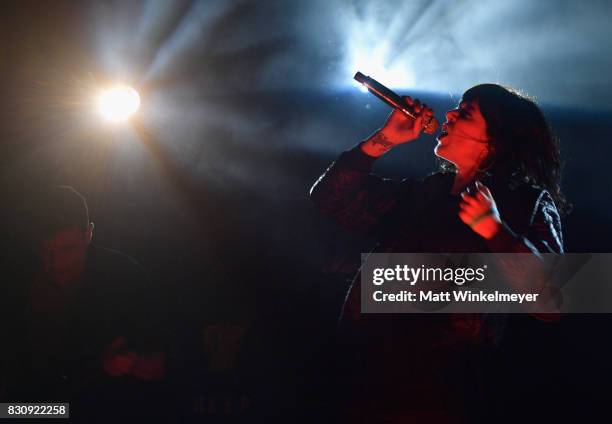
x=467, y=211
x=477, y=197
x=477, y=205
x=119, y=364
x=416, y=104
x=484, y=190
x=469, y=199
x=420, y=109
x=476, y=202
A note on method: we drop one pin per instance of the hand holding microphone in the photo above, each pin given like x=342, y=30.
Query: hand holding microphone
x=400, y=129
x=408, y=118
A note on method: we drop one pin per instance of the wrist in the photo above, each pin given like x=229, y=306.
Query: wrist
x=377, y=145
x=493, y=230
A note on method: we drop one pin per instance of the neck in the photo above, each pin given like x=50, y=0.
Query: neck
x=462, y=179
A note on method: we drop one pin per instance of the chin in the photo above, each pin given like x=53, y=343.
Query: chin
x=442, y=153
x=439, y=150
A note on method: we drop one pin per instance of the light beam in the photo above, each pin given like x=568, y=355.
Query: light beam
x=118, y=103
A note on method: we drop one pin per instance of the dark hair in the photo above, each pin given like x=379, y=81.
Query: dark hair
x=58, y=208
x=523, y=145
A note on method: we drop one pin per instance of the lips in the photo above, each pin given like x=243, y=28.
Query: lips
x=444, y=131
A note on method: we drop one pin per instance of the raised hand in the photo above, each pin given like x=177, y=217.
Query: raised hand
x=398, y=128
x=479, y=211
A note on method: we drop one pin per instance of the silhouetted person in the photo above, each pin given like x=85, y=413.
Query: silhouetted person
x=87, y=318
x=496, y=191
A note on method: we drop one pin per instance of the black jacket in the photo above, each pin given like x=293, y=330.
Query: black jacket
x=422, y=216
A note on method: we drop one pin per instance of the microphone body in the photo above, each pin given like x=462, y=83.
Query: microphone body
x=394, y=100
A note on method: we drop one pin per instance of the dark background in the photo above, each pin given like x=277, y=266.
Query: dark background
x=208, y=189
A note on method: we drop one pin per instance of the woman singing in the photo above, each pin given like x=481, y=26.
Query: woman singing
x=498, y=190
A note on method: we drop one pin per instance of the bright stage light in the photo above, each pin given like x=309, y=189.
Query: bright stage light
x=375, y=62
x=118, y=103
x=361, y=87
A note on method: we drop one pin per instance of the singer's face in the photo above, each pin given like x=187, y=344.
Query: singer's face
x=463, y=140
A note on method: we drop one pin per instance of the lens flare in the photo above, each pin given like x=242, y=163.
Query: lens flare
x=376, y=63
x=118, y=103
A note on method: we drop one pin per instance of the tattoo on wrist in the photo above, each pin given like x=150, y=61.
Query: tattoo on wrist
x=381, y=142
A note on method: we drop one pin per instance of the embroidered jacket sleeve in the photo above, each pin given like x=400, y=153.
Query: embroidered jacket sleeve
x=542, y=236
x=349, y=193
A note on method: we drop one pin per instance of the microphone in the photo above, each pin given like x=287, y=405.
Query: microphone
x=392, y=99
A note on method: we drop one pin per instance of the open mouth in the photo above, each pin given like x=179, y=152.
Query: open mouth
x=444, y=131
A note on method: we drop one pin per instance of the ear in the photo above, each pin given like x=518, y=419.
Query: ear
x=490, y=153
x=484, y=155
x=89, y=232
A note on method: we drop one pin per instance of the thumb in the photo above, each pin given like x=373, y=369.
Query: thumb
x=408, y=100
